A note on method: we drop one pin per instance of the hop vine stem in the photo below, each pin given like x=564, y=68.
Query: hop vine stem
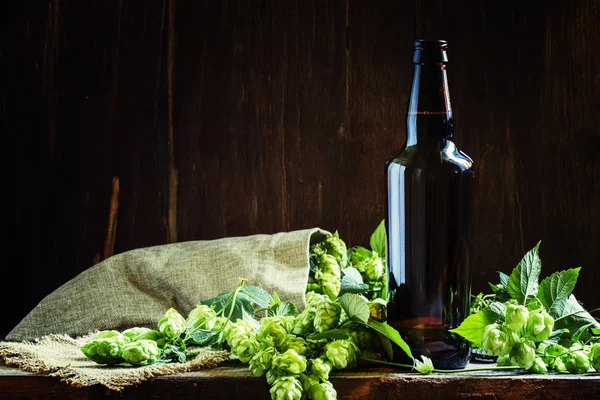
x=399, y=365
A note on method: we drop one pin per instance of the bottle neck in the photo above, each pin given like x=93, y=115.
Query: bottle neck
x=430, y=121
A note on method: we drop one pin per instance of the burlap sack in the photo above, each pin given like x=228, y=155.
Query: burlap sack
x=60, y=356
x=137, y=287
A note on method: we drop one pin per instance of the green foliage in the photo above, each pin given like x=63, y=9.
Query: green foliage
x=528, y=323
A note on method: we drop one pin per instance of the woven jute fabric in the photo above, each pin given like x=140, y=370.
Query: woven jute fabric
x=60, y=356
x=135, y=288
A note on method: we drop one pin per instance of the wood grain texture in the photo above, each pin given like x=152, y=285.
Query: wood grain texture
x=234, y=382
x=241, y=117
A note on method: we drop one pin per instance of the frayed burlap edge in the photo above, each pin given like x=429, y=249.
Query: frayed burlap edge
x=39, y=356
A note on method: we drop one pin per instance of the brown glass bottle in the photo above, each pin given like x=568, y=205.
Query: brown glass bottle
x=429, y=217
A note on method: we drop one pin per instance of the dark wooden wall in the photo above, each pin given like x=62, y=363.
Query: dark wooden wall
x=135, y=123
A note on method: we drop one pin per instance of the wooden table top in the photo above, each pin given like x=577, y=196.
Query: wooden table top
x=233, y=380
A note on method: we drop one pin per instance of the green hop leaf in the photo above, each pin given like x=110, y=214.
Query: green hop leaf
x=378, y=241
x=141, y=352
x=472, y=328
x=523, y=281
x=172, y=324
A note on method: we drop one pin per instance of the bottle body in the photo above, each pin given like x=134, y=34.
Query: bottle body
x=430, y=197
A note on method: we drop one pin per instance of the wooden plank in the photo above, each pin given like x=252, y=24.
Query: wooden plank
x=379, y=80
x=258, y=97
x=362, y=383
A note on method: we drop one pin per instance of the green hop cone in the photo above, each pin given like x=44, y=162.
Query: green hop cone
x=286, y=388
x=331, y=285
x=504, y=361
x=260, y=363
x=577, y=362
x=358, y=257
x=425, y=367
x=378, y=309
x=111, y=334
x=245, y=347
x=328, y=276
x=233, y=332
x=327, y=316
x=307, y=380
x=313, y=287
x=523, y=353
x=153, y=334
x=362, y=336
x=132, y=333
x=221, y=324
x=342, y=353
x=516, y=316
x=287, y=321
x=290, y=362
x=323, y=391
x=201, y=317
x=273, y=374
x=272, y=332
x=313, y=299
x=374, y=268
x=551, y=351
x=538, y=366
x=172, y=324
x=241, y=338
x=497, y=340
x=304, y=322
x=594, y=356
x=321, y=367
x=337, y=248
x=296, y=343
x=105, y=350
x=141, y=352
x=539, y=325
x=558, y=365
